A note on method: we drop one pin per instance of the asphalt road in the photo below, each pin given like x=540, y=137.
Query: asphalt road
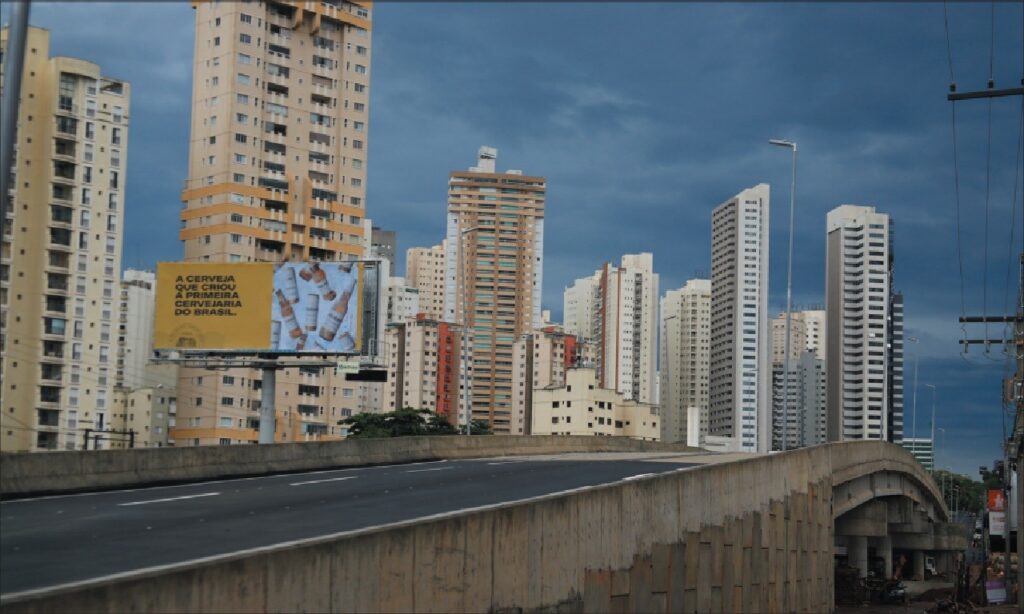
x=57, y=540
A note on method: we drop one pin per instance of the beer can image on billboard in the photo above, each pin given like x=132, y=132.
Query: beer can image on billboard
x=316, y=307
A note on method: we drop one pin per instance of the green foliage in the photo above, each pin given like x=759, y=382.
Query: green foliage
x=968, y=494
x=407, y=422
x=480, y=427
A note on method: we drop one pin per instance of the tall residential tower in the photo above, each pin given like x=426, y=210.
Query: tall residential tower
x=685, y=360
x=740, y=335
x=496, y=227
x=864, y=328
x=61, y=252
x=277, y=172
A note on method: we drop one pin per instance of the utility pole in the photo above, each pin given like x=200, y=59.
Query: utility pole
x=1013, y=391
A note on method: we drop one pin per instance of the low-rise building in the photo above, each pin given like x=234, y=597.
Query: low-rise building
x=582, y=407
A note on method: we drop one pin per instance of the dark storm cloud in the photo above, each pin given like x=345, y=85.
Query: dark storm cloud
x=644, y=117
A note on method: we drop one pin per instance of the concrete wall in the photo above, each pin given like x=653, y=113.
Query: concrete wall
x=752, y=535
x=22, y=474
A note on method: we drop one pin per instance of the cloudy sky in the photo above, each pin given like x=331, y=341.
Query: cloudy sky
x=643, y=117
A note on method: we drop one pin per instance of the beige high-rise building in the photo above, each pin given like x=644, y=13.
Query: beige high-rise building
x=807, y=334
x=425, y=270
x=277, y=171
x=617, y=308
x=61, y=252
x=581, y=406
x=502, y=215
x=147, y=411
x=401, y=301
x=740, y=403
x=423, y=358
x=685, y=359
x=804, y=411
x=540, y=360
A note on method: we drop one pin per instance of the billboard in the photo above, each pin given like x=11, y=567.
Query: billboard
x=996, y=500
x=316, y=307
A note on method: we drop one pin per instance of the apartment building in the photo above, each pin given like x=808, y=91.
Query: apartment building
x=864, y=328
x=277, y=171
x=401, y=300
x=540, y=360
x=740, y=337
x=60, y=254
x=582, y=407
x=804, y=413
x=135, y=328
x=685, y=360
x=496, y=227
x=580, y=307
x=423, y=357
x=143, y=416
x=383, y=244
x=425, y=271
x=617, y=307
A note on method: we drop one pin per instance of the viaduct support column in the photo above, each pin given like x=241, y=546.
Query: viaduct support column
x=858, y=551
x=919, y=564
x=885, y=551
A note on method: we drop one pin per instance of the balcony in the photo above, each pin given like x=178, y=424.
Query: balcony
x=64, y=149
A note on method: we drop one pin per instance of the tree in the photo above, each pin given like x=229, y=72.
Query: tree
x=406, y=422
x=969, y=494
x=480, y=427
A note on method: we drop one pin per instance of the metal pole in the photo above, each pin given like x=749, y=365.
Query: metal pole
x=466, y=405
x=268, y=415
x=17, y=38
x=789, y=296
x=932, y=386
x=789, y=307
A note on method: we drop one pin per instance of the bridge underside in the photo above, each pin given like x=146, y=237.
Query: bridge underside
x=888, y=523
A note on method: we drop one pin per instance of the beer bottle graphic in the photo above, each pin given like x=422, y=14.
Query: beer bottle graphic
x=336, y=315
x=275, y=334
x=320, y=279
x=312, y=310
x=291, y=285
x=288, y=315
x=305, y=273
x=300, y=343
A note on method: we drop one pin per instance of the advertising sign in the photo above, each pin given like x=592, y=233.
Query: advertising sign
x=313, y=307
x=997, y=523
x=996, y=501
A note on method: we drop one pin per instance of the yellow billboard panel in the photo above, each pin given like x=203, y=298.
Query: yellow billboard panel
x=213, y=306
x=313, y=307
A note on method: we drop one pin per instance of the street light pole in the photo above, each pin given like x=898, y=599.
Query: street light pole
x=917, y=361
x=789, y=294
x=932, y=386
x=467, y=405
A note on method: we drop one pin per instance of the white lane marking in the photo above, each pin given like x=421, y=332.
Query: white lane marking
x=637, y=476
x=227, y=556
x=508, y=462
x=205, y=494
x=201, y=483
x=434, y=469
x=347, y=477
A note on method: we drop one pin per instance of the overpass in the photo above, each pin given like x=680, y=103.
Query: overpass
x=484, y=523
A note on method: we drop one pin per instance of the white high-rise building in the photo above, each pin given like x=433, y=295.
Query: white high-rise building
x=685, y=359
x=135, y=338
x=740, y=335
x=579, y=302
x=621, y=306
x=805, y=411
x=863, y=342
x=402, y=301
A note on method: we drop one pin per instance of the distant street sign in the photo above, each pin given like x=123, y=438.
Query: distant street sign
x=346, y=366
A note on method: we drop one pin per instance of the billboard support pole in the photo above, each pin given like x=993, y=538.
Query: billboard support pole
x=268, y=416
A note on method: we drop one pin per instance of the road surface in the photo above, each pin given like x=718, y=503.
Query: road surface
x=52, y=541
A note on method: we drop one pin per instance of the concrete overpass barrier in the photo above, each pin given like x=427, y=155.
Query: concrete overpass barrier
x=753, y=535
x=71, y=471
